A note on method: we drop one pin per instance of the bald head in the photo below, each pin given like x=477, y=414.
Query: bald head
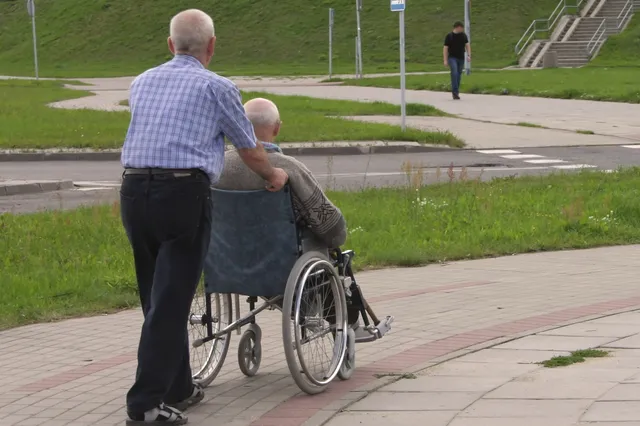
x=192, y=32
x=265, y=117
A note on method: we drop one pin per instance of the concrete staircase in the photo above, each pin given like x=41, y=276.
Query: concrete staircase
x=572, y=50
x=612, y=11
x=580, y=38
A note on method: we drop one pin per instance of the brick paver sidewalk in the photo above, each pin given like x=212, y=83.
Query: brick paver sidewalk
x=76, y=372
x=506, y=386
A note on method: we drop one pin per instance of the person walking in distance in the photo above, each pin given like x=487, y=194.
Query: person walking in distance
x=456, y=44
x=173, y=152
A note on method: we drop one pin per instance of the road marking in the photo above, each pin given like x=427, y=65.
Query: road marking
x=443, y=171
x=544, y=161
x=497, y=151
x=102, y=184
x=575, y=166
x=632, y=146
x=521, y=156
x=102, y=188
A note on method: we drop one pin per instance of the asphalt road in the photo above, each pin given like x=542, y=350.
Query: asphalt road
x=97, y=181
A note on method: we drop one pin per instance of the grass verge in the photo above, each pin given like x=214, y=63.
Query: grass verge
x=65, y=263
x=574, y=358
x=27, y=122
x=588, y=83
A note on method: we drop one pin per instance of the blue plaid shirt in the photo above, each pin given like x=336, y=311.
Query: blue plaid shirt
x=180, y=114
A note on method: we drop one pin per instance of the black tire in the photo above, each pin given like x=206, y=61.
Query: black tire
x=206, y=366
x=308, y=265
x=249, y=353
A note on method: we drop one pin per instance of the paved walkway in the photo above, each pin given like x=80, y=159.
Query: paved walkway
x=483, y=135
x=76, y=372
x=615, y=123
x=506, y=386
x=607, y=118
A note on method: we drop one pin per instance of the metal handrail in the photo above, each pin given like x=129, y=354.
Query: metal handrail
x=626, y=10
x=550, y=22
x=600, y=32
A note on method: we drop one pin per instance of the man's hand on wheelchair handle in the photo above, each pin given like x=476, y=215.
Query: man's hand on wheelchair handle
x=277, y=181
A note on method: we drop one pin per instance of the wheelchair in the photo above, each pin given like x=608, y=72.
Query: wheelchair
x=256, y=250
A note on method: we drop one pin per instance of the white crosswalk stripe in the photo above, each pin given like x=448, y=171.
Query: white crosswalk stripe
x=574, y=166
x=511, y=154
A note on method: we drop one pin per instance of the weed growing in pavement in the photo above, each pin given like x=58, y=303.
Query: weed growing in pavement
x=574, y=358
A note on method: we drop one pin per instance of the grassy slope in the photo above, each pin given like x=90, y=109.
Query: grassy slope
x=120, y=37
x=621, y=50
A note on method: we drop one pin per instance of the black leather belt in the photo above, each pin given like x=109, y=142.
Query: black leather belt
x=177, y=173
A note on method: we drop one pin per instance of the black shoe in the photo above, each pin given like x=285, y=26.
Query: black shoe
x=160, y=415
x=197, y=395
x=456, y=97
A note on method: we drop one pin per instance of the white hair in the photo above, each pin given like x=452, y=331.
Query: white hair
x=262, y=112
x=191, y=30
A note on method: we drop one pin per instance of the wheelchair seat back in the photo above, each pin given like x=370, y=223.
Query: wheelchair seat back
x=254, y=242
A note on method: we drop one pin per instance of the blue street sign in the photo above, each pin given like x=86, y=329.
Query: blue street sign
x=398, y=5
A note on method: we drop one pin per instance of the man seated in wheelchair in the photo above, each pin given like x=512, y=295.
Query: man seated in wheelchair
x=324, y=227
x=323, y=223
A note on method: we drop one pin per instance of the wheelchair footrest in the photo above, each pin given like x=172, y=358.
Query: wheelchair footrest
x=370, y=334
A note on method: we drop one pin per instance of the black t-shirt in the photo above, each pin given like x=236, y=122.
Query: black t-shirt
x=456, y=43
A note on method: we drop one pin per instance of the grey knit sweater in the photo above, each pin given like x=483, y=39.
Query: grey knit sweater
x=312, y=207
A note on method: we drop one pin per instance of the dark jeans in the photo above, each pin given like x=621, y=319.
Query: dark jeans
x=168, y=222
x=456, y=65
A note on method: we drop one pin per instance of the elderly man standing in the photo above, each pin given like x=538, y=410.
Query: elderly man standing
x=173, y=152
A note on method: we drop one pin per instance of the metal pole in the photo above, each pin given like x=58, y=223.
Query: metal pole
x=467, y=30
x=359, y=39
x=357, y=64
x=330, y=42
x=403, y=105
x=35, y=48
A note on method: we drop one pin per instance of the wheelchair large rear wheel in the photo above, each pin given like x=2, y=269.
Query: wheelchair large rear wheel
x=314, y=322
x=210, y=313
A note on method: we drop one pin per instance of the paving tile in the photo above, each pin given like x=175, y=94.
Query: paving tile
x=511, y=356
x=480, y=369
x=556, y=343
x=595, y=329
x=550, y=389
x=393, y=418
x=446, y=384
x=622, y=392
x=526, y=408
x=495, y=421
x=613, y=411
x=632, y=342
x=423, y=401
x=589, y=371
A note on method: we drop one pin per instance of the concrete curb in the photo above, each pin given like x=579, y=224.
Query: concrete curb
x=323, y=150
x=33, y=187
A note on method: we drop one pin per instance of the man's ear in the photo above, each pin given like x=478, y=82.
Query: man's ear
x=276, y=130
x=212, y=46
x=172, y=48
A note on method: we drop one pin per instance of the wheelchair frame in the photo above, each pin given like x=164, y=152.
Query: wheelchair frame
x=347, y=332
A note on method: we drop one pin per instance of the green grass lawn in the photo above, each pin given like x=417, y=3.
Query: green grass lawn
x=124, y=37
x=590, y=83
x=27, y=122
x=59, y=264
